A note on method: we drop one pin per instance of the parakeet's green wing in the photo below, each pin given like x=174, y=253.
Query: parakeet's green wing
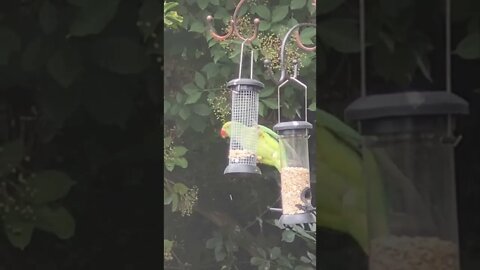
x=268, y=131
x=341, y=130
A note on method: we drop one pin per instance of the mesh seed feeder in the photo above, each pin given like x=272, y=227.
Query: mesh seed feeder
x=295, y=167
x=244, y=123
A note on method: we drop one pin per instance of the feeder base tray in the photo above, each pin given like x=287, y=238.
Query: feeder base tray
x=297, y=219
x=241, y=170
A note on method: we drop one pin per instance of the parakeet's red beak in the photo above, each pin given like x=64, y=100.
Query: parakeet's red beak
x=223, y=133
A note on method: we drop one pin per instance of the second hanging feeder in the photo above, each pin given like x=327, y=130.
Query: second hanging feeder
x=295, y=165
x=244, y=123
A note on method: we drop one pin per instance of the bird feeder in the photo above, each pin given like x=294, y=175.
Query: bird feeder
x=295, y=167
x=244, y=123
x=408, y=156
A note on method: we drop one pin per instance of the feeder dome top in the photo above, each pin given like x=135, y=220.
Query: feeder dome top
x=406, y=104
x=243, y=81
x=292, y=125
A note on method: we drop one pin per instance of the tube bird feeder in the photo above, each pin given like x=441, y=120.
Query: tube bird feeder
x=408, y=156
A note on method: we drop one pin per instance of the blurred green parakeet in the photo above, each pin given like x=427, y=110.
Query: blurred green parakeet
x=268, y=149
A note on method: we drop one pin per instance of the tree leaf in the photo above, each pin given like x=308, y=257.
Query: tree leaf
x=10, y=42
x=340, y=34
x=50, y=186
x=120, y=55
x=180, y=188
x=55, y=220
x=19, y=233
x=179, y=151
x=93, y=16
x=200, y=80
x=202, y=109
x=48, y=17
x=288, y=236
x=197, y=27
x=275, y=253
x=184, y=113
x=469, y=47
x=193, y=97
x=279, y=13
x=202, y=4
x=211, y=70
x=65, y=66
x=271, y=103
x=424, y=65
x=298, y=4
x=220, y=254
x=263, y=12
x=181, y=162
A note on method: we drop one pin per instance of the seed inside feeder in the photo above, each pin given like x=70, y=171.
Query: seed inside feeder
x=239, y=154
x=294, y=181
x=413, y=253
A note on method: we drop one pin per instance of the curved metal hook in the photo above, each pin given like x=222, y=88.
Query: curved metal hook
x=283, y=73
x=298, y=40
x=233, y=26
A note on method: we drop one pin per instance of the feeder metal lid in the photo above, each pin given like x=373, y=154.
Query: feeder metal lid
x=412, y=103
x=292, y=125
x=242, y=81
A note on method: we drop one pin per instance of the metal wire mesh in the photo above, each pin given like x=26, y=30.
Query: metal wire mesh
x=244, y=127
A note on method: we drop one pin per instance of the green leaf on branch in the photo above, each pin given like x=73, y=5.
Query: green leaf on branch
x=193, y=97
x=263, y=12
x=50, y=186
x=279, y=13
x=469, y=47
x=288, y=236
x=298, y=4
x=180, y=188
x=65, y=66
x=19, y=233
x=202, y=109
x=56, y=220
x=181, y=162
x=200, y=80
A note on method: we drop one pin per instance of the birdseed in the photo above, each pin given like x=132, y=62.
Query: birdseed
x=294, y=181
x=413, y=253
x=239, y=154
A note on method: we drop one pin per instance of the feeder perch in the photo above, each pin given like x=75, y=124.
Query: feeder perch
x=244, y=123
x=408, y=155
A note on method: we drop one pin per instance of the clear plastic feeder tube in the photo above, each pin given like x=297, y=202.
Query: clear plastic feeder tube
x=412, y=218
x=408, y=160
x=295, y=172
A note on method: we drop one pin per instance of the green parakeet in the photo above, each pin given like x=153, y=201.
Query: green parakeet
x=341, y=187
x=268, y=148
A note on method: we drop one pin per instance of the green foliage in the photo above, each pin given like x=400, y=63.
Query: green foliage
x=30, y=200
x=170, y=19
